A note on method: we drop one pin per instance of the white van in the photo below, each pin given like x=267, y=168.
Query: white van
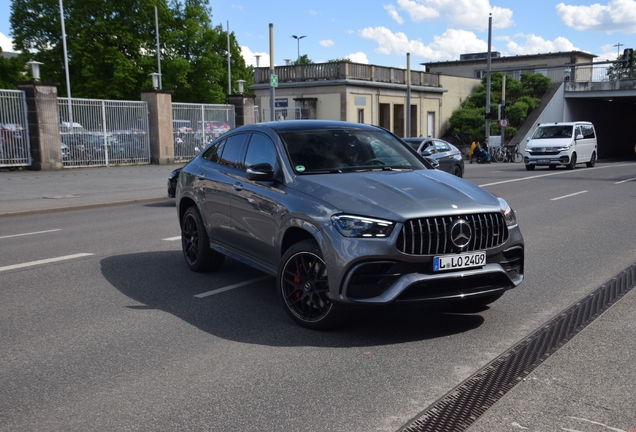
x=554, y=144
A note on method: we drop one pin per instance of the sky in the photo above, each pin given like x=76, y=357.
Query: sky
x=382, y=32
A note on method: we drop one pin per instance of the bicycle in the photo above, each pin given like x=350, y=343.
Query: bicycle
x=507, y=154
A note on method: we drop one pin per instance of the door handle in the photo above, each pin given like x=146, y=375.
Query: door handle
x=238, y=186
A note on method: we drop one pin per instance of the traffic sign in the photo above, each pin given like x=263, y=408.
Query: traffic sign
x=503, y=123
x=273, y=80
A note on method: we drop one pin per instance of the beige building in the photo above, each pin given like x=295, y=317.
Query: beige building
x=556, y=66
x=363, y=94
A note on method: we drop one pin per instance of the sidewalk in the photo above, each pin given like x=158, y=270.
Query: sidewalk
x=24, y=191
x=588, y=385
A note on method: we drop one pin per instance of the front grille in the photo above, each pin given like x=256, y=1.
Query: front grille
x=541, y=152
x=430, y=236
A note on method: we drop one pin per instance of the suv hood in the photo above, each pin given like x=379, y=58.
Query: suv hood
x=398, y=195
x=549, y=142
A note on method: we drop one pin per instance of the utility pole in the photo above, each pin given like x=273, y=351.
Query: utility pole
x=503, y=109
x=408, y=95
x=618, y=49
x=272, y=92
x=488, y=115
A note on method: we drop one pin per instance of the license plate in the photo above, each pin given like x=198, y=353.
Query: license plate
x=459, y=261
x=544, y=161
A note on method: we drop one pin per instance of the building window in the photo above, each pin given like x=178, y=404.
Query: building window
x=360, y=116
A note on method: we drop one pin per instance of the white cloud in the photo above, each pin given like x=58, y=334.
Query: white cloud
x=6, y=43
x=617, y=15
x=239, y=7
x=394, y=14
x=460, y=14
x=448, y=46
x=358, y=57
x=250, y=57
x=533, y=44
x=326, y=43
x=313, y=12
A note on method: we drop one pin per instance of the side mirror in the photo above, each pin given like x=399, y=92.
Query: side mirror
x=260, y=172
x=434, y=163
x=426, y=153
x=579, y=137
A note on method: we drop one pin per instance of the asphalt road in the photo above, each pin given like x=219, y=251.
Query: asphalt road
x=117, y=334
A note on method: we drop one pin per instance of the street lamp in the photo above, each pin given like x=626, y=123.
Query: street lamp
x=298, y=38
x=35, y=69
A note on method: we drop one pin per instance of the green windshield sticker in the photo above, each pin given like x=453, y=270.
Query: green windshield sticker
x=300, y=168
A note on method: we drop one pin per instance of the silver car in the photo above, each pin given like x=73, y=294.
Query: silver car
x=344, y=214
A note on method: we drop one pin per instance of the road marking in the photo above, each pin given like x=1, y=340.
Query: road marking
x=44, y=261
x=231, y=287
x=31, y=233
x=624, y=181
x=547, y=175
x=568, y=196
x=172, y=238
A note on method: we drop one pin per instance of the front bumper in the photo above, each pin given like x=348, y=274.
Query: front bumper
x=542, y=160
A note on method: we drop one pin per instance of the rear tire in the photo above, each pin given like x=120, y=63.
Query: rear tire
x=457, y=171
x=530, y=167
x=304, y=288
x=196, y=245
x=592, y=161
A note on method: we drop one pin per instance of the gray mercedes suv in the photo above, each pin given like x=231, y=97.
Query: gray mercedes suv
x=345, y=214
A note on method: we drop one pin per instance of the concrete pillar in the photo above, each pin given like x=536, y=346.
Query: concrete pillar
x=160, y=125
x=308, y=107
x=243, y=108
x=44, y=125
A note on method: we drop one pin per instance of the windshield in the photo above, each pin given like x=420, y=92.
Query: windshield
x=343, y=150
x=563, y=131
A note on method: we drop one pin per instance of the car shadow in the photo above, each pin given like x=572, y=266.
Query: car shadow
x=253, y=313
x=167, y=202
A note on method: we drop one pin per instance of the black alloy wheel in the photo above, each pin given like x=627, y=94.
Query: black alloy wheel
x=304, y=288
x=572, y=163
x=592, y=161
x=196, y=244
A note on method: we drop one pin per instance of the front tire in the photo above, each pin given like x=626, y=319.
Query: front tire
x=304, y=288
x=592, y=161
x=196, y=244
x=572, y=163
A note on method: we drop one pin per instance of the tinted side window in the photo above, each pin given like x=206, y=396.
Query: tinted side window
x=441, y=147
x=260, y=150
x=212, y=152
x=233, y=151
x=587, y=131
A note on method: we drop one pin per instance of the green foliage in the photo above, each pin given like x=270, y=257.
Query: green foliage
x=340, y=60
x=12, y=70
x=304, y=59
x=112, y=47
x=522, y=96
x=621, y=71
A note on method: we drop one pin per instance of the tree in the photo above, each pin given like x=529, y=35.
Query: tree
x=12, y=70
x=619, y=71
x=112, y=47
x=522, y=96
x=304, y=59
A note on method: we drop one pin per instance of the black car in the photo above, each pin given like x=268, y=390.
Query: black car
x=344, y=214
x=449, y=157
x=172, y=182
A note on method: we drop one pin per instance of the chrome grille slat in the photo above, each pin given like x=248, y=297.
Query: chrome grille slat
x=430, y=236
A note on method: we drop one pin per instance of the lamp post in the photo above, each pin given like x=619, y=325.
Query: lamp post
x=298, y=38
x=156, y=80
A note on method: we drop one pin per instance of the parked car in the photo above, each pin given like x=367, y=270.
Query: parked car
x=447, y=155
x=566, y=144
x=345, y=214
x=172, y=182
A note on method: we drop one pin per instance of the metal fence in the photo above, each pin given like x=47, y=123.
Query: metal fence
x=195, y=125
x=281, y=114
x=102, y=132
x=15, y=149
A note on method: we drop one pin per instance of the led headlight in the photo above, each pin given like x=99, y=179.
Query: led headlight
x=358, y=226
x=509, y=214
x=563, y=148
